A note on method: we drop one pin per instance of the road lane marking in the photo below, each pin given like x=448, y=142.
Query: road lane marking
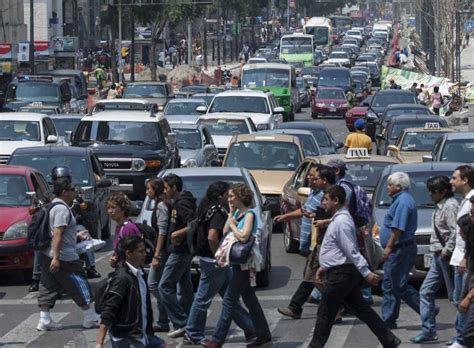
x=25, y=332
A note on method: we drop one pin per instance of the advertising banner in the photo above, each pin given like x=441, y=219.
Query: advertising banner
x=6, y=51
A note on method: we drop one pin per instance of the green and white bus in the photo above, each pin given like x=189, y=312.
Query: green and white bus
x=280, y=79
x=297, y=48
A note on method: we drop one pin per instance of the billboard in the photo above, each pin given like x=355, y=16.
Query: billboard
x=6, y=51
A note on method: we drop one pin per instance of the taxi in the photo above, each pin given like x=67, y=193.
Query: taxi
x=271, y=159
x=363, y=169
x=414, y=143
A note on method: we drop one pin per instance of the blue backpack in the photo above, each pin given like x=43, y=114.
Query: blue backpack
x=360, y=205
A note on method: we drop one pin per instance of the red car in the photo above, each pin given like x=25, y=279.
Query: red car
x=358, y=111
x=329, y=101
x=15, y=182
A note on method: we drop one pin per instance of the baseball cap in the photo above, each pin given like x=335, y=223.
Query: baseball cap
x=337, y=163
x=360, y=123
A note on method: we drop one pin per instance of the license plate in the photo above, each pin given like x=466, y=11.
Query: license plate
x=332, y=110
x=428, y=258
x=115, y=181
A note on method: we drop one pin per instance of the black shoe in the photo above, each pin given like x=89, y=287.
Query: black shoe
x=34, y=286
x=92, y=273
x=394, y=344
x=159, y=328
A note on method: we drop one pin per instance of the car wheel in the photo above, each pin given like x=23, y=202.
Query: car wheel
x=263, y=277
x=291, y=245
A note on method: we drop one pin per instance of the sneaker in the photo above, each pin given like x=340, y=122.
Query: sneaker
x=455, y=344
x=34, y=286
x=422, y=338
x=189, y=341
x=289, y=313
x=260, y=342
x=177, y=333
x=92, y=273
x=45, y=325
x=91, y=321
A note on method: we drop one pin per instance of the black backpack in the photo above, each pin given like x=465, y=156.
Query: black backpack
x=39, y=231
x=198, y=224
x=102, y=288
x=150, y=238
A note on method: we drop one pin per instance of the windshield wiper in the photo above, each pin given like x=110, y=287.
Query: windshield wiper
x=138, y=142
x=111, y=141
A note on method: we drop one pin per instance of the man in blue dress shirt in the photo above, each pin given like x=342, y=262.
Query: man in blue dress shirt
x=397, y=237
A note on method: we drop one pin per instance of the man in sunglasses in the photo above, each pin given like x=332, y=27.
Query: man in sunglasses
x=60, y=263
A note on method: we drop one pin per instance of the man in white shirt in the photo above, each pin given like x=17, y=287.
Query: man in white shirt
x=462, y=181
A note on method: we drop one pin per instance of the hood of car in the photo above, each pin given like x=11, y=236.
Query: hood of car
x=8, y=147
x=331, y=101
x=271, y=181
x=125, y=151
x=257, y=118
x=11, y=215
x=191, y=119
x=413, y=156
x=186, y=154
x=359, y=110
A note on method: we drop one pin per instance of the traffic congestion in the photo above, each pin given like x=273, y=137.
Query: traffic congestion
x=321, y=182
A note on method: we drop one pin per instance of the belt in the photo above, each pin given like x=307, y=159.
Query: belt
x=403, y=244
x=340, y=267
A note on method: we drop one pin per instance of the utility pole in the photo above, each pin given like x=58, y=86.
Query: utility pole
x=32, y=39
x=190, y=43
x=437, y=35
x=132, y=49
x=119, y=49
x=288, y=15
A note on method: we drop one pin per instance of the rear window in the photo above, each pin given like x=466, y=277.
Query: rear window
x=398, y=127
x=385, y=99
x=330, y=94
x=461, y=150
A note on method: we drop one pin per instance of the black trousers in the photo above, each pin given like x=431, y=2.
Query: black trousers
x=300, y=296
x=343, y=285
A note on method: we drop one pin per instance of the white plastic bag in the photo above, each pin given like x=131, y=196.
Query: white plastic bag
x=89, y=245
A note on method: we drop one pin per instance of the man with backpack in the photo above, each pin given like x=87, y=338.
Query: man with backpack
x=61, y=267
x=178, y=265
x=212, y=217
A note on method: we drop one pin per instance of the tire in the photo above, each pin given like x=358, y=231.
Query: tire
x=263, y=277
x=291, y=245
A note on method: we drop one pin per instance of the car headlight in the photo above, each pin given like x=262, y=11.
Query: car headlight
x=16, y=231
x=161, y=107
x=263, y=126
x=190, y=163
x=138, y=165
x=320, y=105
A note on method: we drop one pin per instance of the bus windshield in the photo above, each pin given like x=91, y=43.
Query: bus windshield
x=296, y=45
x=341, y=22
x=266, y=78
x=321, y=34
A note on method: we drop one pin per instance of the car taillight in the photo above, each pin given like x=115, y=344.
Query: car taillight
x=376, y=232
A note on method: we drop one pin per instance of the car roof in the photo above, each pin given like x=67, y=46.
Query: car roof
x=373, y=158
x=125, y=101
x=305, y=124
x=146, y=83
x=224, y=116
x=423, y=130
x=290, y=131
x=393, y=91
x=54, y=150
x=187, y=100
x=206, y=171
x=267, y=137
x=422, y=167
x=240, y=92
x=330, y=88
x=414, y=118
x=66, y=116
x=185, y=125
x=14, y=169
x=124, y=115
x=22, y=116
x=406, y=106
x=267, y=66
x=460, y=135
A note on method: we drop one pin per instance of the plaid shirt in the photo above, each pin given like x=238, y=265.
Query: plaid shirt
x=444, y=217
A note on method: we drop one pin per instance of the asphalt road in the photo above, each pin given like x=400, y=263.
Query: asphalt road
x=19, y=313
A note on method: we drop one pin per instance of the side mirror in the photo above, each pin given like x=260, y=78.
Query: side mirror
x=104, y=183
x=304, y=191
x=201, y=109
x=51, y=139
x=172, y=140
x=31, y=194
x=278, y=110
x=427, y=158
x=393, y=149
x=68, y=136
x=339, y=145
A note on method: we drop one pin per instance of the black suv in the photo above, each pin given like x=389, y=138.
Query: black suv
x=38, y=90
x=87, y=175
x=132, y=146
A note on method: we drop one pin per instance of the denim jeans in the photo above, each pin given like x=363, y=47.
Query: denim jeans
x=213, y=280
x=154, y=277
x=239, y=285
x=177, y=270
x=461, y=318
x=438, y=275
x=89, y=259
x=316, y=294
x=395, y=285
x=153, y=342
x=458, y=285
x=367, y=295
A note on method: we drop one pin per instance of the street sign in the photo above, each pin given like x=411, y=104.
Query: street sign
x=24, y=52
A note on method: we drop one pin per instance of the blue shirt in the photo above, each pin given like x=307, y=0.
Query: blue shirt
x=401, y=215
x=313, y=201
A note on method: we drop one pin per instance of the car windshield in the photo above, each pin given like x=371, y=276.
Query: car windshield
x=13, y=190
x=144, y=91
x=182, y=108
x=188, y=138
x=119, y=133
x=66, y=124
x=20, y=130
x=329, y=80
x=460, y=150
x=383, y=100
x=266, y=78
x=194, y=89
x=398, y=127
x=45, y=163
x=322, y=137
x=240, y=104
x=330, y=94
x=320, y=34
x=33, y=92
x=406, y=111
x=420, y=141
x=226, y=127
x=296, y=45
x=365, y=174
x=417, y=189
x=309, y=145
x=267, y=155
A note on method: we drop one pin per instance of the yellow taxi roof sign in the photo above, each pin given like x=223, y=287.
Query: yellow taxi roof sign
x=357, y=152
x=432, y=125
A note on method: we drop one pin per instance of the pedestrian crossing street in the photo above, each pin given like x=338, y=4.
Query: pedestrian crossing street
x=19, y=317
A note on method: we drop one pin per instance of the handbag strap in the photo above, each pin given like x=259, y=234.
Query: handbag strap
x=438, y=233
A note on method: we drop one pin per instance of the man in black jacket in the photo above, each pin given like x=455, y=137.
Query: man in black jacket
x=178, y=266
x=127, y=311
